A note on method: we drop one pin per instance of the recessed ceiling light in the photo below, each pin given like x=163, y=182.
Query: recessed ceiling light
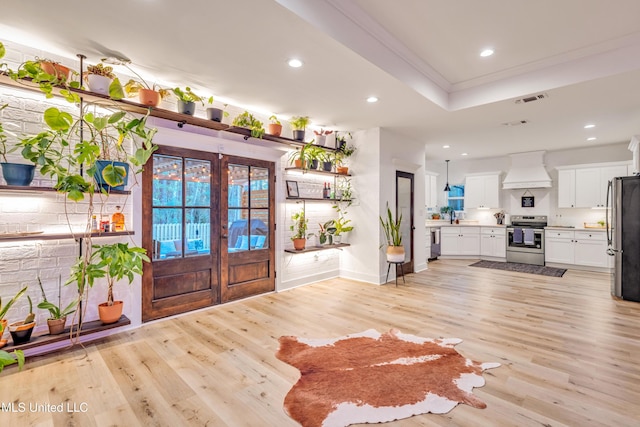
x=295, y=63
x=372, y=99
x=464, y=154
x=589, y=126
x=486, y=52
x=446, y=146
x=593, y=138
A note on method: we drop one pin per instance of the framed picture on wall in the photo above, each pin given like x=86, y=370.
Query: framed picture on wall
x=292, y=189
x=528, y=201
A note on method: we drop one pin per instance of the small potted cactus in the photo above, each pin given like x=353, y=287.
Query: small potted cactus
x=21, y=331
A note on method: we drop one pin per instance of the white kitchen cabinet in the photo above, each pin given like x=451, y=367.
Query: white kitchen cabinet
x=431, y=191
x=493, y=242
x=567, y=188
x=584, y=248
x=586, y=187
x=482, y=191
x=463, y=241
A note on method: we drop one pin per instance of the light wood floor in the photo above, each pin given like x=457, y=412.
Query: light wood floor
x=570, y=354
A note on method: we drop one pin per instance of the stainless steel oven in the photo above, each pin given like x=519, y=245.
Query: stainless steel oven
x=525, y=239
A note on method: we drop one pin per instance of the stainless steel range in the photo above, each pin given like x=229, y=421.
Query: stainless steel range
x=525, y=239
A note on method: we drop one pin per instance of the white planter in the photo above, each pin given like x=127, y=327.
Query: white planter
x=395, y=253
x=98, y=84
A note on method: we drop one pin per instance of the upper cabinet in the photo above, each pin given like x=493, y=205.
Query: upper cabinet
x=585, y=186
x=482, y=191
x=431, y=191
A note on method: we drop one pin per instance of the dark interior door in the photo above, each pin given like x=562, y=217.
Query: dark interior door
x=247, y=226
x=180, y=225
x=404, y=206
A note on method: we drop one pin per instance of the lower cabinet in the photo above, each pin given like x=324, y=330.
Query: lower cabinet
x=584, y=248
x=460, y=241
x=493, y=242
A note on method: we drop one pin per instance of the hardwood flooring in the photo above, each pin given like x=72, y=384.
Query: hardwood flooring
x=570, y=354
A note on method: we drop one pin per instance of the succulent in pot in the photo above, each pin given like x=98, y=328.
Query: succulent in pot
x=393, y=235
x=99, y=78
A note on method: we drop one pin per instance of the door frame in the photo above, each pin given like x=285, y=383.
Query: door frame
x=408, y=265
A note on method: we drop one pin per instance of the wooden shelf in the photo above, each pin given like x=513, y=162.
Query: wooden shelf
x=44, y=236
x=18, y=188
x=87, y=329
x=317, y=248
x=292, y=142
x=315, y=199
x=316, y=172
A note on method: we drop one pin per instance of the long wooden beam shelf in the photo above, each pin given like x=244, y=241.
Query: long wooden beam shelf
x=87, y=329
x=315, y=172
x=317, y=248
x=32, y=235
x=317, y=199
x=19, y=188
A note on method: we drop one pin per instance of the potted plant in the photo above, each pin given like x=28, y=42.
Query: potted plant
x=325, y=232
x=315, y=155
x=446, y=210
x=341, y=139
x=341, y=226
x=55, y=69
x=299, y=124
x=275, y=127
x=215, y=114
x=147, y=95
x=114, y=262
x=57, y=317
x=247, y=120
x=299, y=228
x=99, y=78
x=187, y=100
x=33, y=71
x=21, y=330
x=3, y=312
x=340, y=157
x=13, y=173
x=301, y=158
x=321, y=137
x=393, y=235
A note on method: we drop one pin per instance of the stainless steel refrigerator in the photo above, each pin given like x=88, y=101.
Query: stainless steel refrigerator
x=623, y=236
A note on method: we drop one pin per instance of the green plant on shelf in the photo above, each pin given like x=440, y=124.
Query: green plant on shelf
x=247, y=120
x=299, y=226
x=187, y=95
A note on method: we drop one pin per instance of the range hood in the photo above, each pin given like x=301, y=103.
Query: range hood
x=527, y=171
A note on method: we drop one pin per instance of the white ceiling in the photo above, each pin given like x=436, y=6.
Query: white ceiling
x=420, y=57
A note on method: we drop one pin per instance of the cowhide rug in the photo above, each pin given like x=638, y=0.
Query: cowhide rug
x=371, y=377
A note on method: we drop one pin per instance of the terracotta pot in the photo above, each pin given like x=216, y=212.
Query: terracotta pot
x=98, y=84
x=298, y=163
x=59, y=71
x=395, y=253
x=299, y=244
x=110, y=314
x=342, y=170
x=274, y=129
x=149, y=97
x=56, y=326
x=21, y=332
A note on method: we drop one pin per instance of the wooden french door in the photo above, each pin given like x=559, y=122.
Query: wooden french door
x=180, y=225
x=247, y=222
x=404, y=206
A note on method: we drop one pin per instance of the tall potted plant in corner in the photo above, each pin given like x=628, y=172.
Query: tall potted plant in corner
x=114, y=262
x=187, y=100
x=299, y=124
x=299, y=228
x=393, y=235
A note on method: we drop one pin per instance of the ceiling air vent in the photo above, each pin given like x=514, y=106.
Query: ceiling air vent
x=531, y=98
x=515, y=123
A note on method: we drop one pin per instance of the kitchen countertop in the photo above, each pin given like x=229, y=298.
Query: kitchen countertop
x=569, y=228
x=463, y=223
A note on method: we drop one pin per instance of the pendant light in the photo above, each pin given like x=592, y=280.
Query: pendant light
x=446, y=187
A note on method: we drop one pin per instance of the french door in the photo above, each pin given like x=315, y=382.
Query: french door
x=208, y=228
x=247, y=228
